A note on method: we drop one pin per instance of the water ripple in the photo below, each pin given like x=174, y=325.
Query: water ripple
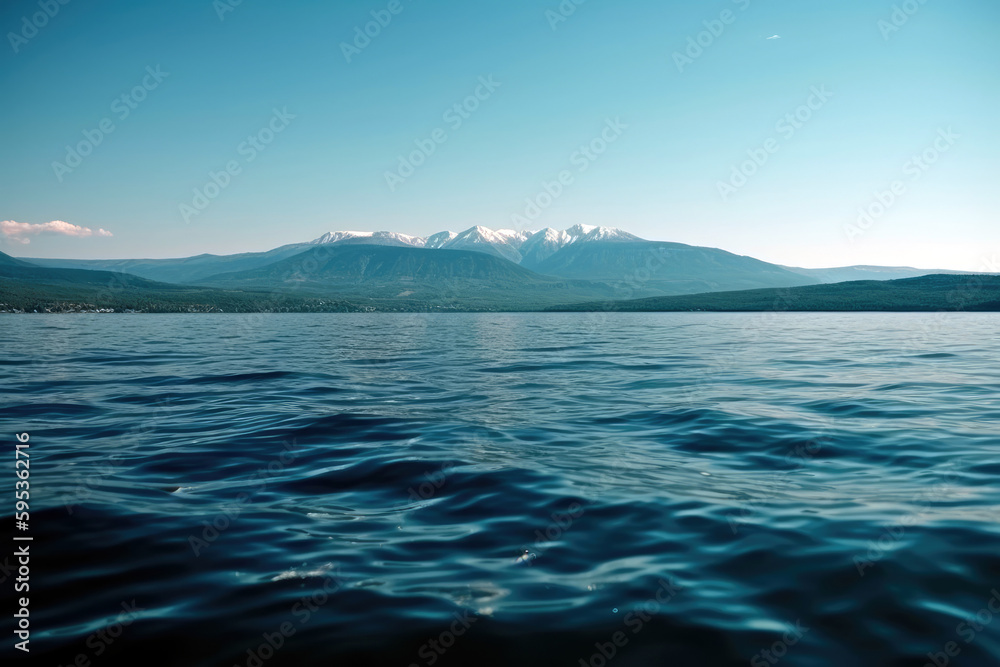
x=701, y=484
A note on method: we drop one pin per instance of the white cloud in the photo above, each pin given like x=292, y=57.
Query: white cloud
x=775, y=37
x=21, y=231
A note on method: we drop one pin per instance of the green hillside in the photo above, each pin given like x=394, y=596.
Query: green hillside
x=384, y=275
x=646, y=268
x=923, y=294
x=181, y=270
x=28, y=288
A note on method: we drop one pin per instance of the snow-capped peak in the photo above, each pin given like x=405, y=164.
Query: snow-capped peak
x=578, y=231
x=334, y=237
x=592, y=233
x=381, y=237
x=508, y=243
x=487, y=235
x=438, y=240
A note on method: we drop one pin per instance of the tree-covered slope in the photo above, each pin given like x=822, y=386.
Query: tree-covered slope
x=927, y=293
x=455, y=278
x=653, y=267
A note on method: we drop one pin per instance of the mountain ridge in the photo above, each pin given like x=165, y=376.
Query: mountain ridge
x=581, y=252
x=441, y=277
x=505, y=243
x=930, y=293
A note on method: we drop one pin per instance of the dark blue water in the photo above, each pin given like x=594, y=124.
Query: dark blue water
x=524, y=489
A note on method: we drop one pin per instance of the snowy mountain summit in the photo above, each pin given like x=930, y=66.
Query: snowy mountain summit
x=517, y=246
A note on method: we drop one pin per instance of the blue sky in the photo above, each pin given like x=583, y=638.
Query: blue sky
x=278, y=72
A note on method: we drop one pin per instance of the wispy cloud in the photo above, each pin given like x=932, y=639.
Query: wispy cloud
x=775, y=37
x=22, y=231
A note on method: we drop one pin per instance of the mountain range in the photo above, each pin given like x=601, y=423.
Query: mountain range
x=477, y=269
x=528, y=248
x=26, y=287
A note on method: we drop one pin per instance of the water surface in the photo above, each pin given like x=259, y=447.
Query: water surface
x=501, y=489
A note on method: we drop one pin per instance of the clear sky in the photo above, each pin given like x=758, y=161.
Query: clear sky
x=201, y=77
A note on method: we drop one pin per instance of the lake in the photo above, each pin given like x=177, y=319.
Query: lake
x=501, y=489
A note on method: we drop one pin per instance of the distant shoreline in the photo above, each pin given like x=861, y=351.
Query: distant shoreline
x=925, y=294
